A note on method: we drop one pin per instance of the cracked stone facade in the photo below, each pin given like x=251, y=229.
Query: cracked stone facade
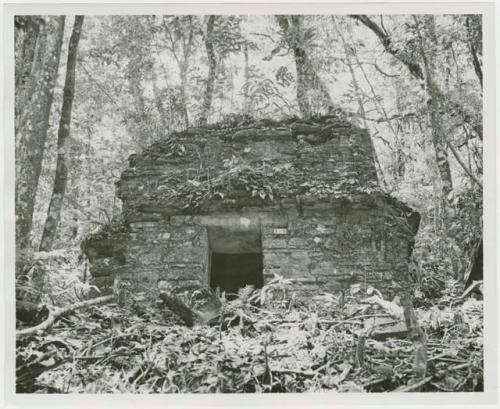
x=326, y=224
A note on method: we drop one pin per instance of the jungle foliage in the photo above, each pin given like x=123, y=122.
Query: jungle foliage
x=91, y=91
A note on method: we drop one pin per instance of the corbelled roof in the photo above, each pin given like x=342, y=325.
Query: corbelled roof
x=251, y=163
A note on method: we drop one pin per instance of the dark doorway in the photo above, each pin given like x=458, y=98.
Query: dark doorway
x=231, y=272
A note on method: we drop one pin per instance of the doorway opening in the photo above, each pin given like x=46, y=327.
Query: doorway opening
x=230, y=272
x=235, y=259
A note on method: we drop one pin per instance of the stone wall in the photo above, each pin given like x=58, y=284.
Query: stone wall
x=330, y=250
x=327, y=246
x=322, y=220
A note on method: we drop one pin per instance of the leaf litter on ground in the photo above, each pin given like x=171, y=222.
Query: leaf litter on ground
x=309, y=346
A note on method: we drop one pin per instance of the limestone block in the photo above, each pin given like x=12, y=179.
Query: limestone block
x=324, y=268
x=273, y=259
x=185, y=254
x=274, y=243
x=182, y=285
x=148, y=278
x=184, y=234
x=290, y=264
x=323, y=229
x=183, y=272
x=270, y=149
x=297, y=227
x=143, y=226
x=297, y=242
x=331, y=244
x=143, y=255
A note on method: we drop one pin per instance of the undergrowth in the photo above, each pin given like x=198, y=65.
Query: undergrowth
x=265, y=340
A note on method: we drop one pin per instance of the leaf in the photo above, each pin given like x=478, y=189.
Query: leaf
x=194, y=182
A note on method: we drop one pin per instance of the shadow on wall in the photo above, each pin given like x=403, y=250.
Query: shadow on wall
x=230, y=272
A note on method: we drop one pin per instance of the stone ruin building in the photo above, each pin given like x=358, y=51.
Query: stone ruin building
x=236, y=203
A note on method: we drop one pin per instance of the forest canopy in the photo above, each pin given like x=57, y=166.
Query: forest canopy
x=414, y=81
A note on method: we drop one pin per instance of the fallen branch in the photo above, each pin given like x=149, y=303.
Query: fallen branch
x=374, y=382
x=461, y=366
x=348, y=320
x=470, y=288
x=178, y=307
x=58, y=312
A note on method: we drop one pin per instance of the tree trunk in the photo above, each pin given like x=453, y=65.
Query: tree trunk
x=212, y=65
x=246, y=100
x=307, y=78
x=474, y=42
x=164, y=123
x=181, y=56
x=184, y=109
x=435, y=104
x=302, y=83
x=34, y=95
x=26, y=35
x=26, y=93
x=184, y=66
x=61, y=177
x=137, y=124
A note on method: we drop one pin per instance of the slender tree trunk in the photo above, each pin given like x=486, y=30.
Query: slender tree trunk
x=474, y=42
x=160, y=106
x=184, y=109
x=136, y=124
x=434, y=104
x=33, y=106
x=212, y=65
x=184, y=66
x=246, y=99
x=307, y=78
x=61, y=178
x=182, y=59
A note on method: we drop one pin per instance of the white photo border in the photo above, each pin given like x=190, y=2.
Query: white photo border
x=490, y=181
